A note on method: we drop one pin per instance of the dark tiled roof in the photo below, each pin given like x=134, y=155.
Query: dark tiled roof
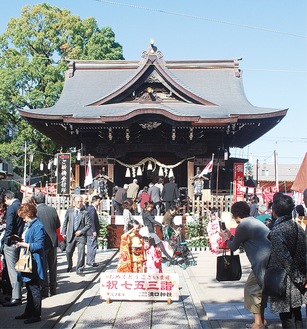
x=198, y=94
x=92, y=81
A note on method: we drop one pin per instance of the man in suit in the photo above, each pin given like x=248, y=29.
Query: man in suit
x=155, y=195
x=14, y=226
x=170, y=193
x=132, y=191
x=119, y=198
x=93, y=232
x=76, y=224
x=50, y=219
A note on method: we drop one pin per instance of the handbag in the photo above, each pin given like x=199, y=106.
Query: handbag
x=228, y=267
x=62, y=245
x=274, y=283
x=24, y=263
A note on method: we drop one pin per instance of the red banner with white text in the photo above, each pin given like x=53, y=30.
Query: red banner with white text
x=238, y=182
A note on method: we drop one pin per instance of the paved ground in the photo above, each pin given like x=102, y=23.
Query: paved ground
x=204, y=302
x=70, y=288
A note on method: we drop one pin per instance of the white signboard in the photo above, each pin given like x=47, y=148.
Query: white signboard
x=139, y=286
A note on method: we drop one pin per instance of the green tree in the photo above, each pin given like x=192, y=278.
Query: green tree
x=34, y=53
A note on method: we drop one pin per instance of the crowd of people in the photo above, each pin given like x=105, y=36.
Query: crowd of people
x=32, y=225
x=143, y=252
x=270, y=236
x=164, y=194
x=278, y=242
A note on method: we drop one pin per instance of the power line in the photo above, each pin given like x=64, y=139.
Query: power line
x=202, y=18
x=215, y=67
x=276, y=70
x=283, y=139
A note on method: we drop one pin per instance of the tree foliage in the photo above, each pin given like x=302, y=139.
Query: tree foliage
x=34, y=53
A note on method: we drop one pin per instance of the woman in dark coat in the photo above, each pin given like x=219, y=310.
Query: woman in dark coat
x=288, y=251
x=34, y=237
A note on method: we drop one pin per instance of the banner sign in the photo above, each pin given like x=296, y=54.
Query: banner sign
x=63, y=173
x=139, y=286
x=238, y=182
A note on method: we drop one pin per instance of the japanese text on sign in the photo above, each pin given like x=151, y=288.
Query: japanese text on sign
x=139, y=286
x=63, y=173
x=238, y=182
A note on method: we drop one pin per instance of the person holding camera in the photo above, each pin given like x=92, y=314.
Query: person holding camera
x=252, y=234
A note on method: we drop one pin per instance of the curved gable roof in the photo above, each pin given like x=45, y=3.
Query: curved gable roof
x=206, y=89
x=147, y=65
x=199, y=93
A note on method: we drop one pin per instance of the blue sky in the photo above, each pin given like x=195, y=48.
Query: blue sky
x=271, y=36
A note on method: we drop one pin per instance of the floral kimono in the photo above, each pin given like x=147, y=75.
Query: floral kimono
x=132, y=255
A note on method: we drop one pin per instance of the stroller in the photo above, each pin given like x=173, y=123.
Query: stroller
x=181, y=252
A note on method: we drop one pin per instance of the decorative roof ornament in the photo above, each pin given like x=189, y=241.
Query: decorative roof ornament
x=152, y=51
x=150, y=125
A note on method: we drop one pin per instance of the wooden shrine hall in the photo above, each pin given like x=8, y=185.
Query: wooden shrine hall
x=152, y=117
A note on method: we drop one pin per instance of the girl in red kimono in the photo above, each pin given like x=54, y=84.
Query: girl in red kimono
x=153, y=263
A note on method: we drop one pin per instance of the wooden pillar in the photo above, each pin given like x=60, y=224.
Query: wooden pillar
x=111, y=171
x=77, y=175
x=198, y=207
x=190, y=171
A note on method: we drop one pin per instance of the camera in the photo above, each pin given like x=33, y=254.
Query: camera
x=223, y=226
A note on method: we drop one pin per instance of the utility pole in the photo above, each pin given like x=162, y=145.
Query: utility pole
x=276, y=170
x=257, y=172
x=25, y=167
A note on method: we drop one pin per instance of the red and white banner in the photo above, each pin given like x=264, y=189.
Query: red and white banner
x=23, y=188
x=139, y=286
x=213, y=229
x=88, y=174
x=238, y=182
x=51, y=189
x=208, y=169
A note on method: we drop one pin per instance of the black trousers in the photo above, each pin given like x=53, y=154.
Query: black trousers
x=292, y=319
x=34, y=299
x=168, y=204
x=50, y=269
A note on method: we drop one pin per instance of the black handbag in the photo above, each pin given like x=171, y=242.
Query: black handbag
x=62, y=245
x=274, y=283
x=228, y=267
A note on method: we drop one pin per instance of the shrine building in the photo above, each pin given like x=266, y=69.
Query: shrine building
x=154, y=118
